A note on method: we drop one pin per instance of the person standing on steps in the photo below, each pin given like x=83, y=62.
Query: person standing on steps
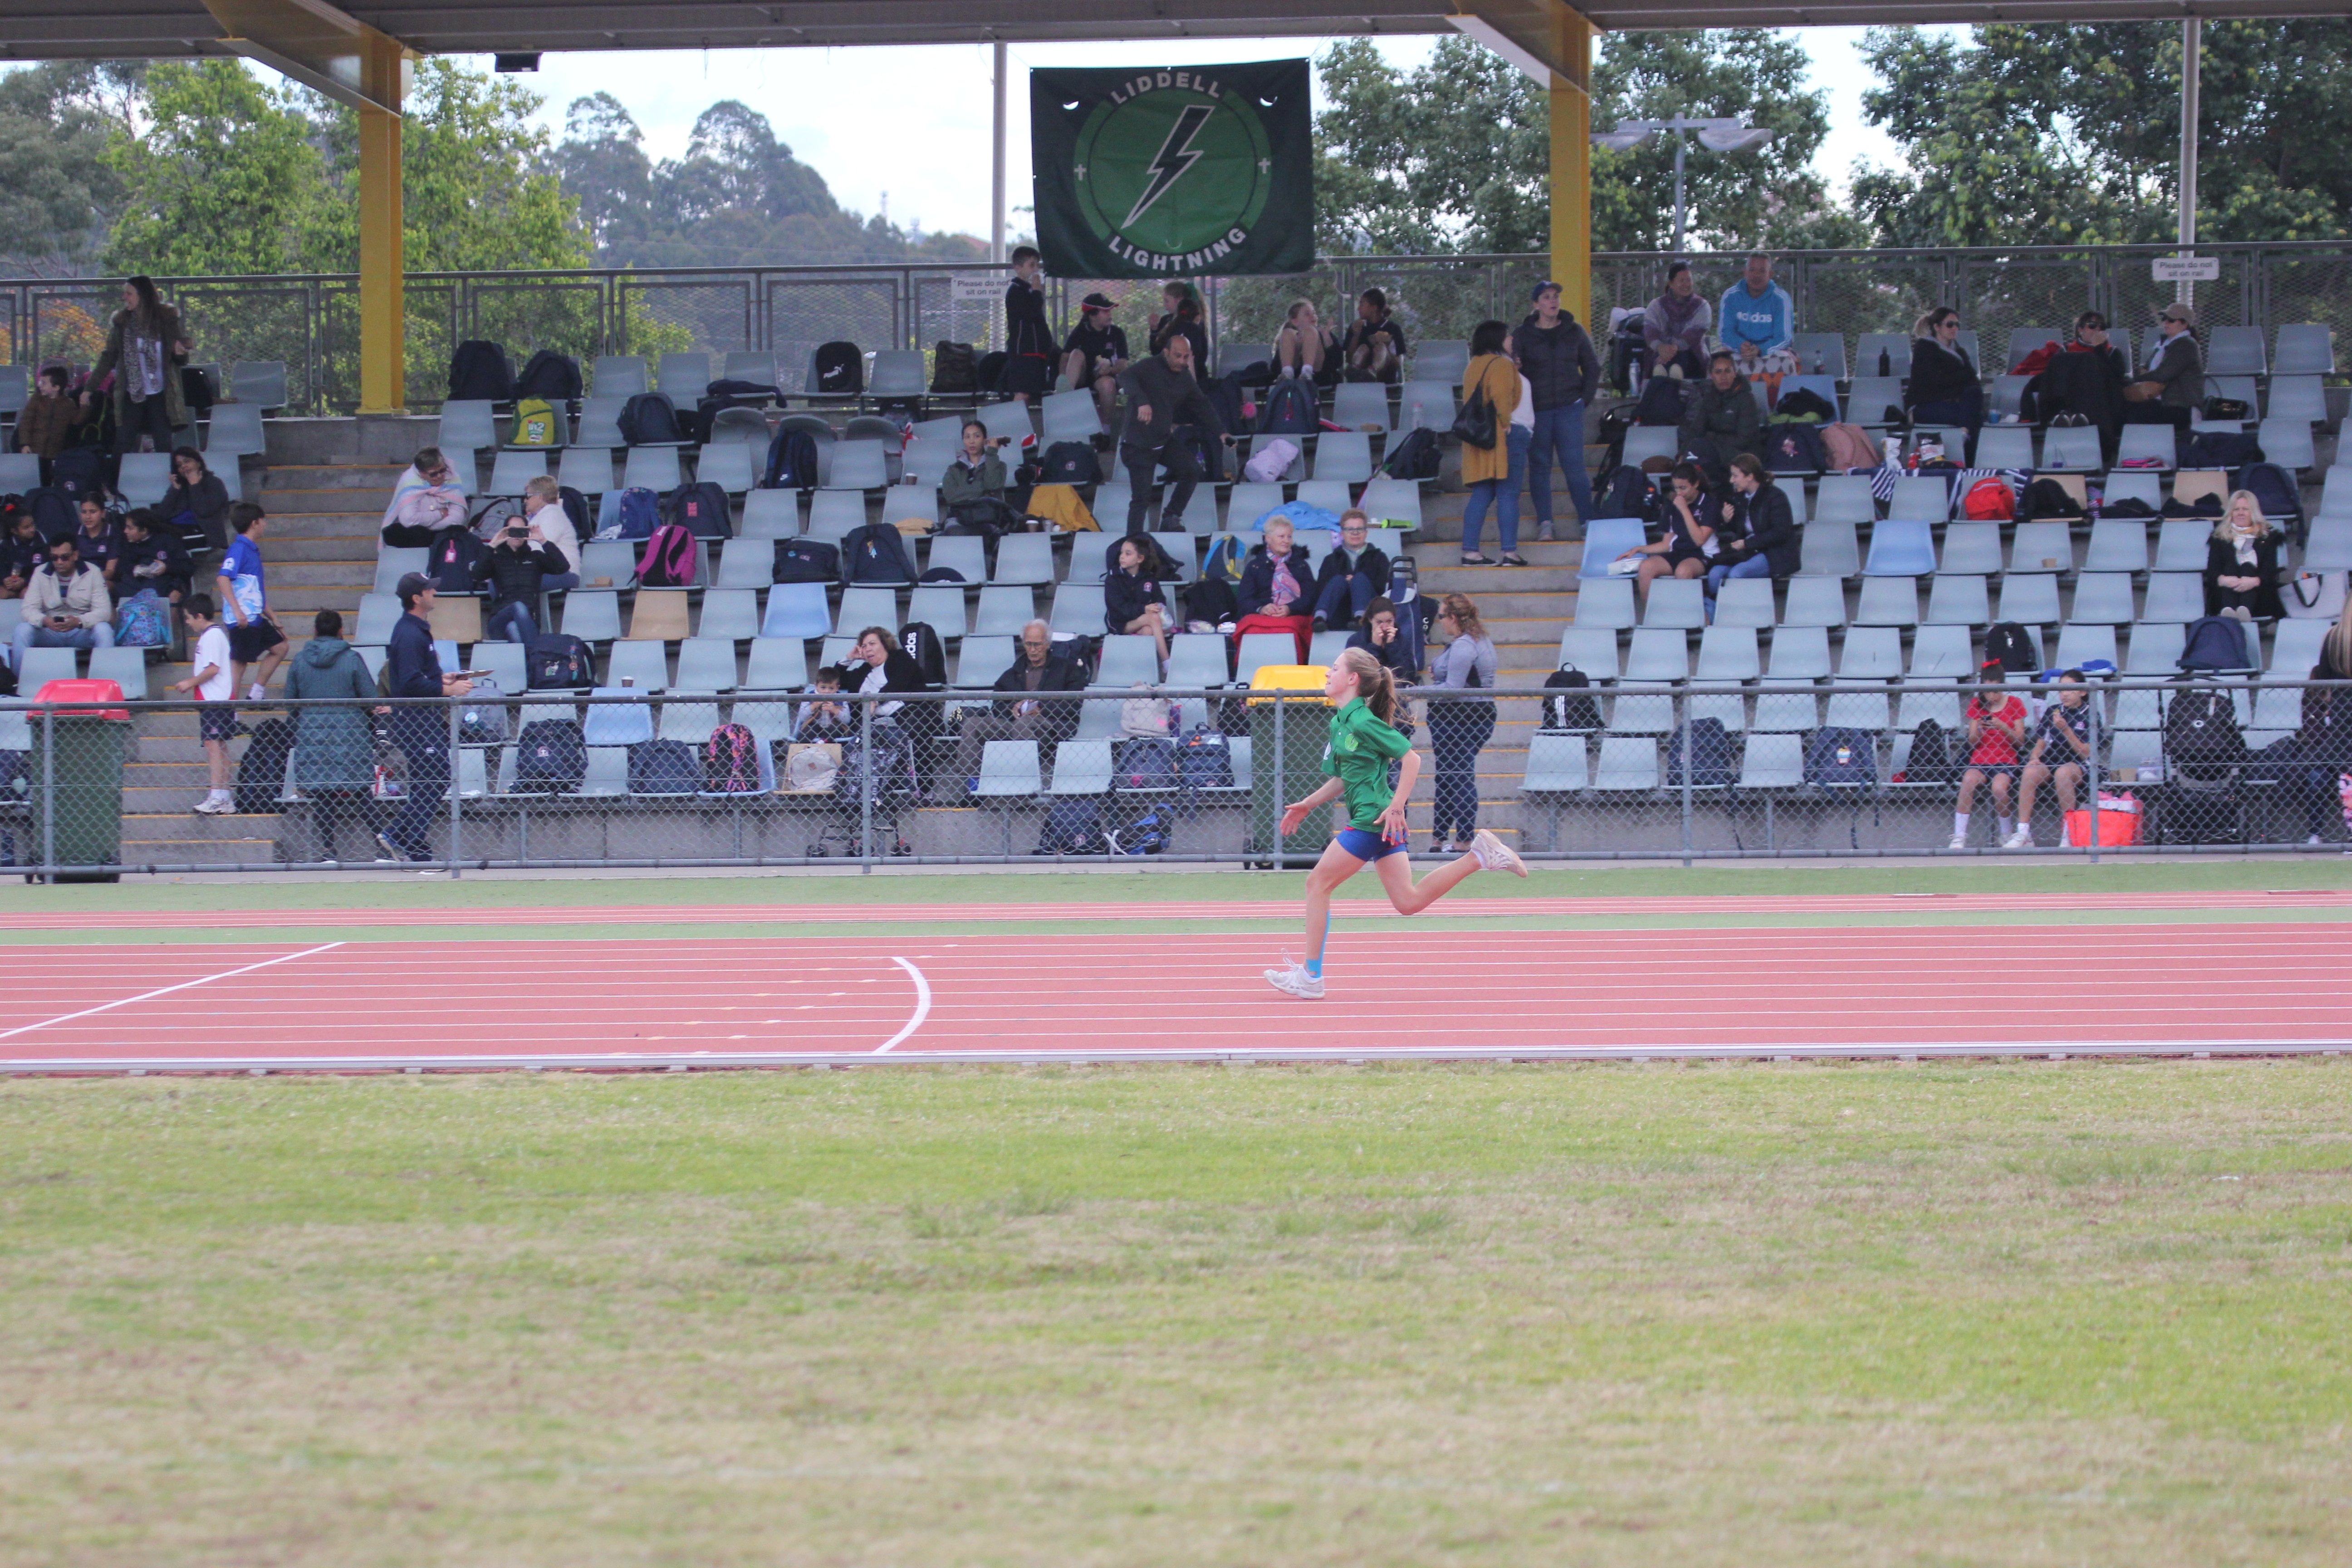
x=1563, y=372
x=1461, y=719
x=1029, y=347
x=1496, y=475
x=146, y=346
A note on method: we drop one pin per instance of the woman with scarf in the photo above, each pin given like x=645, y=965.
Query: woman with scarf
x=2241, y=562
x=1675, y=327
x=145, y=349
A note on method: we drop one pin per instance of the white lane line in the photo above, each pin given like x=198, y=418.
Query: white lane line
x=922, y=1005
x=166, y=991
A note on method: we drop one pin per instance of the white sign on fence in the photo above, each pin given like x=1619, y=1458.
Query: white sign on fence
x=985, y=288
x=2187, y=268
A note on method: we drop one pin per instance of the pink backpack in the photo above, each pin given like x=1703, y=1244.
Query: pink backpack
x=668, y=560
x=1849, y=446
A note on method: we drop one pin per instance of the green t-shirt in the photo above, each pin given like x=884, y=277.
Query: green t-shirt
x=1362, y=746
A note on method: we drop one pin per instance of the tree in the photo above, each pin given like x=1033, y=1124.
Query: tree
x=603, y=165
x=224, y=180
x=57, y=194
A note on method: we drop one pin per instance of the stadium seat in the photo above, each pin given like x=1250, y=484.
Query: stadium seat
x=1843, y=497
x=729, y=615
x=610, y=561
x=651, y=468
x=1392, y=500
x=1888, y=602
x=2103, y=598
x=1786, y=706
x=1972, y=549
x=465, y=427
x=1606, y=539
x=705, y=664
x=1821, y=353
x=2180, y=544
x=2023, y=341
x=963, y=554
x=1006, y=421
x=2077, y=449
x=1814, y=602
x=1605, y=601
x=2155, y=648
x=749, y=563
x=1728, y=653
x=1871, y=399
x=858, y=466
x=646, y=665
x=1925, y=499
x=2175, y=595
x=1830, y=549
x=261, y=382
x=1126, y=660
x=2235, y=351
x=1556, y=765
x=1260, y=650
x=832, y=514
x=1644, y=442
x=1658, y=653
x=2030, y=599
x=1343, y=455
x=796, y=610
x=618, y=377
x=588, y=469
x=2005, y=446
x=2117, y=545
x=1424, y=404
x=2142, y=444
x=940, y=607
x=867, y=606
x=2287, y=442
x=1772, y=761
x=727, y=465
x=2042, y=547
x=2294, y=648
x=1441, y=360
x=392, y=564
x=2304, y=349
x=659, y=615
x=1744, y=602
x=1356, y=403
x=1678, y=602
x=2080, y=642
x=1078, y=610
x=1899, y=550
x=2300, y=397
x=509, y=471
x=684, y=378
x=980, y=660
x=1070, y=416
x=591, y=615
x=1943, y=653
x=1196, y=661
x=1004, y=609
x=1958, y=599
x=1331, y=495
x=1592, y=649
x=691, y=722
x=1628, y=764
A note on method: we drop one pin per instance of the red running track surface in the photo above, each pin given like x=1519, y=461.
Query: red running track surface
x=2079, y=986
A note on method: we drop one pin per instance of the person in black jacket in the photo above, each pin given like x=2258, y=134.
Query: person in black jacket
x=1134, y=602
x=1759, y=537
x=878, y=664
x=411, y=669
x=197, y=504
x=1375, y=348
x=2088, y=379
x=516, y=568
x=1377, y=635
x=2323, y=743
x=2241, y=562
x=153, y=558
x=1943, y=388
x=1162, y=396
x=1029, y=348
x=1722, y=419
x=1556, y=357
x=1037, y=665
x=1182, y=319
x=1353, y=575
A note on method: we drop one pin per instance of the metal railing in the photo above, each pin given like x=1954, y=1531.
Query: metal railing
x=1678, y=771
x=310, y=322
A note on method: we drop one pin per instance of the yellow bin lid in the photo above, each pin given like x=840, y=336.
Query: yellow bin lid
x=1293, y=678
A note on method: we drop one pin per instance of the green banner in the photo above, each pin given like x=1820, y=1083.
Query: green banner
x=1173, y=171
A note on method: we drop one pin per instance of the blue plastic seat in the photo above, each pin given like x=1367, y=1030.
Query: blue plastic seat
x=1900, y=549
x=796, y=610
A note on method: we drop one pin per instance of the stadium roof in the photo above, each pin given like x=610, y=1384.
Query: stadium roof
x=101, y=29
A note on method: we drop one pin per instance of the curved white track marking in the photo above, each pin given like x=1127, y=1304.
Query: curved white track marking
x=922, y=1005
x=166, y=991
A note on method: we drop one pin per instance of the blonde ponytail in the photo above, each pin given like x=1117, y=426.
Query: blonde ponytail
x=1374, y=684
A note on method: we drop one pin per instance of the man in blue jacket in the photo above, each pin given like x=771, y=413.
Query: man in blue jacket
x=1756, y=316
x=411, y=669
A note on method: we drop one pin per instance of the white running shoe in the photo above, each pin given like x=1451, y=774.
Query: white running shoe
x=257, y=692
x=1292, y=979
x=2021, y=839
x=1494, y=855
x=216, y=805
x=1957, y=843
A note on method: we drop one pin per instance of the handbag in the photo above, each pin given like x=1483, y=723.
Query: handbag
x=1475, y=423
x=2143, y=392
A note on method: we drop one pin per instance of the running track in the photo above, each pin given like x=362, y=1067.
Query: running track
x=603, y=1002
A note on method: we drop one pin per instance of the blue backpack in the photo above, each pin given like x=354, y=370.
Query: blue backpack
x=1841, y=759
x=1072, y=827
x=640, y=512
x=1224, y=563
x=2275, y=491
x=791, y=461
x=1288, y=410
x=1146, y=762
x=1206, y=760
x=141, y=620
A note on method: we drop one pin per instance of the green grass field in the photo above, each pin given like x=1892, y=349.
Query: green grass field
x=2022, y=1313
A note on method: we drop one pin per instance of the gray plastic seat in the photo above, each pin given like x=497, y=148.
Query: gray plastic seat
x=1676, y=602
x=1923, y=500
x=600, y=422
x=618, y=376
x=1772, y=761
x=1593, y=649
x=1628, y=762
x=2174, y=596
x=1425, y=405
x=1605, y=601
x=2142, y=444
x=752, y=566
x=1644, y=442
x=1331, y=495
x=1916, y=704
x=379, y=612
x=146, y=477
x=940, y=607
x=1869, y=398
x=1821, y=353
x=1356, y=403
x=727, y=465
x=2304, y=348
x=2299, y=397
x=609, y=558
x=1250, y=500
x=1871, y=711
x=1004, y=609
x=963, y=554
x=1800, y=653
x=1025, y=558
x=1830, y=549
x=1872, y=653
x=1441, y=360
x=1899, y=549
x=2155, y=648
x=591, y=615
x=392, y=564
x=1078, y=610
x=2005, y=446
x=466, y=425
x=867, y=606
x=1006, y=421
x=644, y=664
x=2023, y=341
x=1888, y=602
x=510, y=470
x=2030, y=599
x=2180, y=544
x=1972, y=548
x=705, y=664
x=1070, y=416
x=832, y=514
x=2117, y=545
x=2329, y=548
x=2295, y=649
x=772, y=515
x=795, y=611
x=1844, y=497
x=234, y=431
x=1728, y=653
x=651, y=468
x=1658, y=653
x=1557, y=763
x=1778, y=711
x=1813, y=602
x=980, y=660
x=2288, y=443
x=2038, y=547
x=2103, y=598
x=1392, y=500
x=1343, y=455
x=858, y=466
x=1606, y=539
x=2235, y=351
x=1744, y=602
x=1196, y=661
x=2076, y=450
x=261, y=382
x=2080, y=642
x=1955, y=599
x=684, y=378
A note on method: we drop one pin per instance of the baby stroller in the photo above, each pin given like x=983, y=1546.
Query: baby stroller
x=893, y=790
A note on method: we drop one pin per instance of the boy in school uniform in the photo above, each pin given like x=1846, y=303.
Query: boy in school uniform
x=214, y=684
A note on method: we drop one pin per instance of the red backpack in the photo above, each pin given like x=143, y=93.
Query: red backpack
x=1990, y=500
x=668, y=560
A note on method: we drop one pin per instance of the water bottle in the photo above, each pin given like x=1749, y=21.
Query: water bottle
x=1818, y=361
x=1416, y=417
x=1885, y=364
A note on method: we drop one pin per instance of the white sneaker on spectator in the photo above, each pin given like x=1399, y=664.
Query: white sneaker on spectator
x=1292, y=979
x=1494, y=855
x=2021, y=839
x=1957, y=843
x=257, y=692
x=216, y=805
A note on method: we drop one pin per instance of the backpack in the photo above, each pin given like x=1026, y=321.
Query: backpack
x=1795, y=449
x=1804, y=403
x=141, y=620
x=1288, y=410
x=2017, y=648
x=548, y=374
x=640, y=512
x=1415, y=457
x=261, y=771
x=812, y=767
x=534, y=425
x=451, y=565
x=1270, y=461
x=1849, y=446
x=1629, y=492
x=2221, y=449
x=2214, y=642
x=668, y=560
x=1070, y=463
x=56, y=517
x=1072, y=827
x=1990, y=500
x=2275, y=492
x=1661, y=402
x=953, y=369
x=1840, y=758
x=663, y=767
x=2202, y=738
x=2047, y=500
x=483, y=719
x=1211, y=601
x=874, y=552
x=701, y=511
x=1226, y=558
x=76, y=472
x=199, y=387
x=1204, y=760
x=550, y=754
x=791, y=461
x=479, y=371
x=1414, y=613
x=1145, y=762
x=1931, y=756
x=648, y=420
x=921, y=641
x=1710, y=754
x=553, y=661
x=840, y=369
x=806, y=561
x=731, y=762
x=1574, y=707
x=575, y=510
x=1147, y=834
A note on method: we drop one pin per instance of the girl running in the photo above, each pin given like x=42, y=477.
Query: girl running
x=1364, y=741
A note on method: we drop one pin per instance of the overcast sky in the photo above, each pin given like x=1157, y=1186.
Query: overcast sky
x=914, y=122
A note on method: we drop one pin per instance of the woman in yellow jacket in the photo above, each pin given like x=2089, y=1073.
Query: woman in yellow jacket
x=1495, y=474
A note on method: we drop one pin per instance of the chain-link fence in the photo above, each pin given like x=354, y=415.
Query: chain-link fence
x=1622, y=770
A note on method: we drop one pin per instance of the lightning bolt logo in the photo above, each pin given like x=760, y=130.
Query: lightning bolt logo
x=1173, y=159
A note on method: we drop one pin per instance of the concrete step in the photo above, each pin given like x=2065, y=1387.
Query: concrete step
x=331, y=476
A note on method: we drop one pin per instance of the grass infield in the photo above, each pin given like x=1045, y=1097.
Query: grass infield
x=2002, y=1313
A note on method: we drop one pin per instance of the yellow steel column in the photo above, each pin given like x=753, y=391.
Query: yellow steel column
x=1571, y=165
x=384, y=367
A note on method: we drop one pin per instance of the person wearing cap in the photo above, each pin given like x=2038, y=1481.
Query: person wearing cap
x=412, y=668
x=2062, y=745
x=2172, y=384
x=1563, y=372
x=1095, y=352
x=1996, y=723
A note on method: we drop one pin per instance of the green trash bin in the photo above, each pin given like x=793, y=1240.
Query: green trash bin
x=76, y=796
x=1281, y=773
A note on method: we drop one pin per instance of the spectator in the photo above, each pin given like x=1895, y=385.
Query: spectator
x=253, y=637
x=153, y=559
x=2062, y=746
x=1943, y=388
x=145, y=348
x=1037, y=665
x=1029, y=349
x=1305, y=347
x=1496, y=474
x=1353, y=575
x=2172, y=385
x=1757, y=316
x=1275, y=580
x=876, y=663
x=823, y=717
x=1563, y=372
x=1182, y=319
x=1459, y=725
x=1162, y=396
x=2086, y=379
x=1377, y=634
x=1723, y=420
x=66, y=604
x=25, y=550
x=2323, y=743
x=516, y=568
x=971, y=492
x=421, y=731
x=1689, y=520
x=426, y=499
x=197, y=505
x=2241, y=562
x=100, y=541
x=1095, y=352
x=334, y=744
x=48, y=419
x=1134, y=602
x=214, y=684
x=1674, y=328
x=542, y=507
x=1759, y=535
x=1996, y=723
x=1374, y=348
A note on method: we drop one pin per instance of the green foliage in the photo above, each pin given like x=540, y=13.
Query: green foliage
x=57, y=194
x=224, y=181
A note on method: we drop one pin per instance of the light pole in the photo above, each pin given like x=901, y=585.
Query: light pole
x=1717, y=135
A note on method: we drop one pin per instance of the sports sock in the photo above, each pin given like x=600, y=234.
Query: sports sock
x=1960, y=825
x=1314, y=964
x=2008, y=825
